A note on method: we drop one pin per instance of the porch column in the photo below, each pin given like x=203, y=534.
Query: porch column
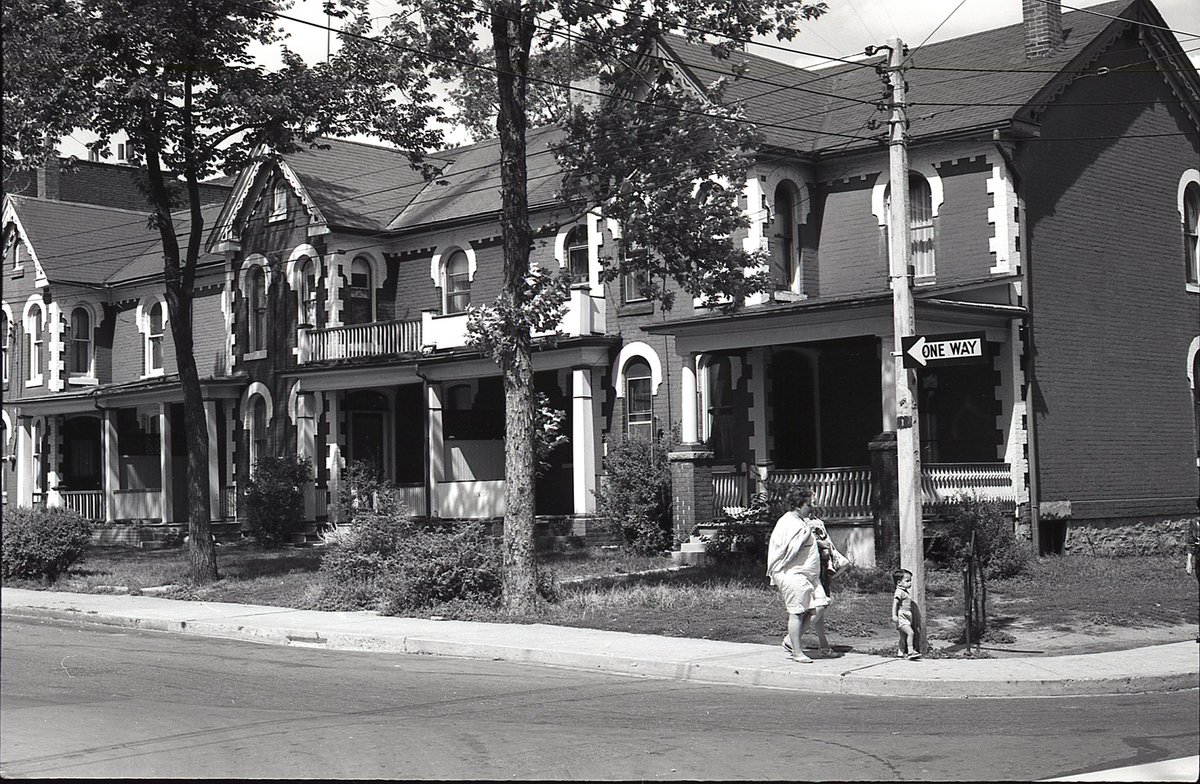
x=757, y=362
x=688, y=430
x=333, y=458
x=25, y=462
x=112, y=475
x=214, y=465
x=583, y=441
x=437, y=445
x=691, y=490
x=306, y=446
x=887, y=377
x=166, y=463
x=53, y=456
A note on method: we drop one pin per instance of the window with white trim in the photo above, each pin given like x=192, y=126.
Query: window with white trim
x=1191, y=232
x=457, y=283
x=256, y=303
x=920, y=223
x=79, y=360
x=258, y=429
x=5, y=336
x=308, y=292
x=635, y=286
x=639, y=398
x=577, y=254
x=360, y=293
x=155, y=321
x=279, y=203
x=785, y=242
x=37, y=448
x=35, y=328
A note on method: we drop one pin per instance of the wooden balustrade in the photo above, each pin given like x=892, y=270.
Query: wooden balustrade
x=365, y=340
x=729, y=489
x=229, y=502
x=943, y=483
x=840, y=493
x=88, y=503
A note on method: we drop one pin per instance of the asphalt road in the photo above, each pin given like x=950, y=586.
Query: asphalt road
x=90, y=701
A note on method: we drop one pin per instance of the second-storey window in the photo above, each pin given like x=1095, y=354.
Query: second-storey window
x=577, y=254
x=279, y=201
x=154, y=338
x=4, y=336
x=920, y=224
x=458, y=283
x=308, y=292
x=1191, y=232
x=361, y=306
x=639, y=399
x=785, y=251
x=257, y=304
x=80, y=359
x=35, y=326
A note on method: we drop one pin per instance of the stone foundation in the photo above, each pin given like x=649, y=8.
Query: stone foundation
x=1152, y=536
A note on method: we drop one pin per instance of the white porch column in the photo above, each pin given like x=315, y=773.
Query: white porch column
x=757, y=361
x=687, y=414
x=165, y=462
x=437, y=445
x=583, y=441
x=25, y=464
x=53, y=477
x=112, y=475
x=306, y=445
x=214, y=465
x=333, y=459
x=887, y=374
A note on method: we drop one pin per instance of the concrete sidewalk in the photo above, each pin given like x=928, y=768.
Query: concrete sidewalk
x=1166, y=667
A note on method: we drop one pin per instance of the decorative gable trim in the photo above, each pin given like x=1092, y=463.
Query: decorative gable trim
x=249, y=189
x=11, y=218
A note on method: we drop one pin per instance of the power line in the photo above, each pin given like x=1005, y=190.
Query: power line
x=1119, y=18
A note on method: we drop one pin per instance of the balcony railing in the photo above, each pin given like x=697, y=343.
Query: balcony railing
x=363, y=340
x=88, y=503
x=845, y=493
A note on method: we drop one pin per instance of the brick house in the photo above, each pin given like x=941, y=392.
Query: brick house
x=331, y=309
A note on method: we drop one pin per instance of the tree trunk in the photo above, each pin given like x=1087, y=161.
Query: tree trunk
x=178, y=278
x=512, y=29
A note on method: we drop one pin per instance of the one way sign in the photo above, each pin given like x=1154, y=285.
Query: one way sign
x=960, y=348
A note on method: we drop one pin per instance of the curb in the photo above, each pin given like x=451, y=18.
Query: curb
x=745, y=664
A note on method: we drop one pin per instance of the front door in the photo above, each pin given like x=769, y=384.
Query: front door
x=366, y=439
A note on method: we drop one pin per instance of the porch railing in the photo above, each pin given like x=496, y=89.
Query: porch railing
x=229, y=503
x=841, y=493
x=88, y=503
x=845, y=493
x=365, y=340
x=942, y=483
x=729, y=489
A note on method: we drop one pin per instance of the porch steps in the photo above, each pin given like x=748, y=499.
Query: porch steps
x=691, y=552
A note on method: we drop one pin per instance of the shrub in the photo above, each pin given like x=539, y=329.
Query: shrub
x=745, y=534
x=275, y=497
x=42, y=543
x=359, y=490
x=997, y=547
x=636, y=497
x=384, y=560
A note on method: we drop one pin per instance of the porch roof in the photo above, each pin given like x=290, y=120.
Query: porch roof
x=817, y=310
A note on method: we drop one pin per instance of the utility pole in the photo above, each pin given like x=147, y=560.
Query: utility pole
x=908, y=436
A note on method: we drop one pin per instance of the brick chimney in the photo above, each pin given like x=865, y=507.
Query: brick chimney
x=47, y=178
x=1043, y=27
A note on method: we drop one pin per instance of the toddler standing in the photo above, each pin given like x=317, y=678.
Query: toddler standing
x=902, y=614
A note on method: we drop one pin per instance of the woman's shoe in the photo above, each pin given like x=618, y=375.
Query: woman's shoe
x=827, y=653
x=801, y=659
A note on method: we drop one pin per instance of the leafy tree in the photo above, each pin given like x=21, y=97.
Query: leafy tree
x=178, y=77
x=675, y=197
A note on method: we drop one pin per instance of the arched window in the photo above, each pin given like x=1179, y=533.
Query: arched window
x=4, y=336
x=279, y=206
x=1191, y=232
x=308, y=292
x=577, y=254
x=361, y=308
x=920, y=223
x=258, y=429
x=256, y=302
x=38, y=452
x=458, y=283
x=639, y=398
x=721, y=416
x=154, y=337
x=785, y=250
x=35, y=327
x=80, y=358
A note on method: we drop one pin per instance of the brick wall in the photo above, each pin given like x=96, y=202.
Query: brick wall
x=1112, y=319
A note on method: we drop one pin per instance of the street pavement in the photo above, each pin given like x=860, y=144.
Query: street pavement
x=1162, y=667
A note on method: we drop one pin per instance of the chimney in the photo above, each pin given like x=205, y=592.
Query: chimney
x=1043, y=27
x=47, y=178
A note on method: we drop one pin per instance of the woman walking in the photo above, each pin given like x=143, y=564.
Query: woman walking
x=794, y=566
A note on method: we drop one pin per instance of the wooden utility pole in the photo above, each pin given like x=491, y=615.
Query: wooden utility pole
x=908, y=437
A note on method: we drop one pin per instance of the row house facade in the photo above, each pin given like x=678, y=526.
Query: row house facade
x=1053, y=211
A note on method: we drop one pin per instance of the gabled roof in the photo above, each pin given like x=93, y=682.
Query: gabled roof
x=472, y=182
x=792, y=118
x=93, y=245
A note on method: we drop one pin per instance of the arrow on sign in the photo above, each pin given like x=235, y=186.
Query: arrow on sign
x=942, y=348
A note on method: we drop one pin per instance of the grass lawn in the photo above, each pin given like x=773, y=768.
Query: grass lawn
x=733, y=602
